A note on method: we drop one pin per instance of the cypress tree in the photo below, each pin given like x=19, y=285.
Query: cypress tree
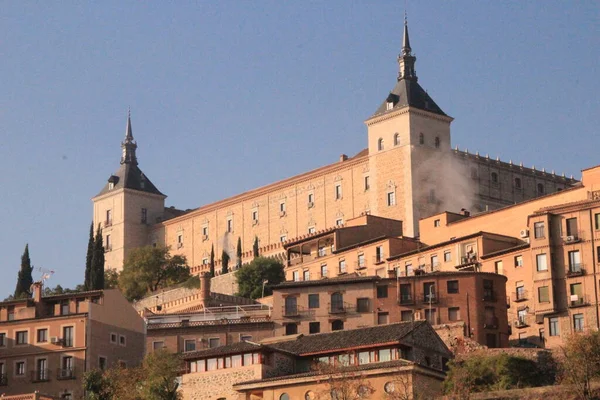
x=97, y=270
x=88, y=259
x=24, y=279
x=239, y=253
x=212, y=261
x=255, y=247
x=224, y=262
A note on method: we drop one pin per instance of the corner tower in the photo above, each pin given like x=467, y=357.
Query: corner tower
x=408, y=137
x=127, y=206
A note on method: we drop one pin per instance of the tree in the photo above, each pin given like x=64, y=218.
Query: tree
x=24, y=278
x=239, y=253
x=160, y=370
x=255, y=247
x=224, y=262
x=111, y=279
x=212, y=261
x=342, y=383
x=147, y=269
x=88, y=258
x=580, y=362
x=250, y=278
x=97, y=268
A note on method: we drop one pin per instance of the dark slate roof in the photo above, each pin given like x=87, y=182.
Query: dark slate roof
x=408, y=92
x=335, y=341
x=235, y=348
x=339, y=280
x=130, y=176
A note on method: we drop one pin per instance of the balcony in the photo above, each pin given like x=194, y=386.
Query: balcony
x=65, y=373
x=108, y=223
x=3, y=379
x=292, y=311
x=572, y=237
x=521, y=322
x=491, y=323
x=340, y=308
x=41, y=375
x=578, y=301
x=379, y=259
x=575, y=270
x=358, y=265
x=520, y=295
x=406, y=299
x=430, y=298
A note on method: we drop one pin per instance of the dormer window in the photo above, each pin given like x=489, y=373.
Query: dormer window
x=389, y=105
x=112, y=181
x=111, y=186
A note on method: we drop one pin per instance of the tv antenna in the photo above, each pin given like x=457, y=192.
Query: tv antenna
x=45, y=273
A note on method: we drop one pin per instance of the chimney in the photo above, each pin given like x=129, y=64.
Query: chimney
x=343, y=157
x=205, y=288
x=465, y=212
x=36, y=291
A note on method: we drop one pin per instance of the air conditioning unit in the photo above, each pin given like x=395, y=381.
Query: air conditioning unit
x=570, y=239
x=311, y=204
x=524, y=233
x=55, y=340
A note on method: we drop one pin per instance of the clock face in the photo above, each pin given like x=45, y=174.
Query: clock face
x=389, y=387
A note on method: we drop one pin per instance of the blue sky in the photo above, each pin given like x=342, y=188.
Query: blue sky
x=230, y=95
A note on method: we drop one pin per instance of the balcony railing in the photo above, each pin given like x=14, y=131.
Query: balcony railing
x=108, y=223
x=41, y=375
x=379, y=259
x=340, y=308
x=360, y=265
x=406, y=299
x=578, y=302
x=3, y=379
x=293, y=310
x=430, y=298
x=65, y=373
x=520, y=295
x=575, y=270
x=521, y=322
x=491, y=323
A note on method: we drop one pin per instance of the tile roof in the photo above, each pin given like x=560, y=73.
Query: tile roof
x=130, y=176
x=406, y=93
x=235, y=348
x=338, y=280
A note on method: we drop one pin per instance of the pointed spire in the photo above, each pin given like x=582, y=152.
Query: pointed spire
x=405, y=40
x=129, y=145
x=406, y=61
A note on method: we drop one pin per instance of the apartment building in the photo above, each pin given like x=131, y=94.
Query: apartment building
x=476, y=300
x=308, y=366
x=47, y=343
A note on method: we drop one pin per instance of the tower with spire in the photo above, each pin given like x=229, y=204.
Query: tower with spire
x=127, y=205
x=408, y=136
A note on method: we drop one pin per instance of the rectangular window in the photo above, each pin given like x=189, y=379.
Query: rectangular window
x=553, y=326
x=311, y=229
x=363, y=358
x=368, y=184
x=572, y=227
x=597, y=221
x=311, y=200
x=406, y=315
x=447, y=256
x=339, y=222
x=574, y=261
x=2, y=339
x=108, y=244
x=429, y=291
x=437, y=223
x=108, y=217
x=323, y=270
x=296, y=276
x=543, y=294
x=452, y=287
x=520, y=292
x=391, y=198
x=541, y=262
x=488, y=290
x=314, y=327
x=362, y=305
x=282, y=238
x=382, y=318
x=158, y=345
x=454, y=314
x=342, y=266
x=313, y=300
x=42, y=335
x=338, y=191
x=67, y=336
x=434, y=262
x=144, y=218
x=41, y=373
x=245, y=338
x=205, y=231
x=282, y=208
x=578, y=322
x=255, y=216
x=499, y=267
x=21, y=337
x=122, y=340
x=539, y=230
x=385, y=355
x=361, y=261
x=229, y=225
x=113, y=338
x=306, y=275
x=20, y=368
x=214, y=342
x=518, y=261
x=382, y=292
x=64, y=305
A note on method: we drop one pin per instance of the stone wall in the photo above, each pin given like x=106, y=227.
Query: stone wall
x=226, y=284
x=218, y=384
x=166, y=296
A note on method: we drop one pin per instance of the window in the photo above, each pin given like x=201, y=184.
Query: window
x=518, y=184
x=488, y=290
x=494, y=177
x=447, y=256
x=214, y=342
x=311, y=200
x=205, y=231
x=284, y=396
x=20, y=368
x=282, y=208
x=107, y=243
x=306, y=275
x=314, y=327
x=11, y=312
x=540, y=188
x=108, y=217
x=338, y=191
x=42, y=335
x=429, y=291
x=553, y=326
x=67, y=336
x=291, y=329
x=64, y=305
x=113, y=338
x=543, y=294
x=499, y=267
x=2, y=339
x=454, y=314
x=597, y=221
x=230, y=225
x=396, y=139
x=21, y=337
x=452, y=287
x=41, y=373
x=434, y=262
x=541, y=262
x=311, y=229
x=362, y=305
x=189, y=345
x=245, y=338
x=572, y=227
x=391, y=198
x=380, y=143
x=144, y=218
x=339, y=222
x=421, y=139
x=367, y=183
x=179, y=240
x=576, y=294
x=406, y=315
x=518, y=261
x=538, y=230
x=158, y=345
x=578, y=322
x=337, y=325
x=342, y=266
x=382, y=318
x=122, y=340
x=574, y=261
x=291, y=306
x=255, y=216
x=337, y=302
x=296, y=276
x=282, y=238
x=382, y=292
x=436, y=223
x=313, y=300
x=437, y=142
x=361, y=261
x=324, y=270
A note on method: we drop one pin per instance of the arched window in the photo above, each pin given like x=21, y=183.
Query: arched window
x=494, y=177
x=518, y=183
x=437, y=142
x=337, y=325
x=380, y=144
x=337, y=302
x=284, y=396
x=540, y=188
x=421, y=138
x=396, y=139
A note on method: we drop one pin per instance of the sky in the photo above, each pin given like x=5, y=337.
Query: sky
x=227, y=96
